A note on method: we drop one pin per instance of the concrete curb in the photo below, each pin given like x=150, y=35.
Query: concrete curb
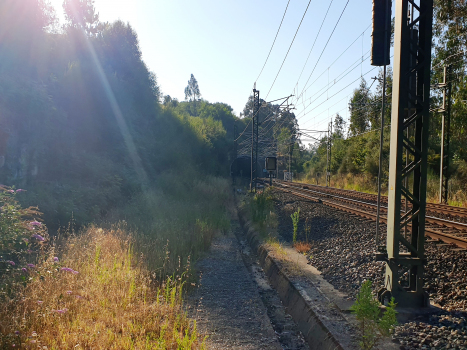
x=320, y=329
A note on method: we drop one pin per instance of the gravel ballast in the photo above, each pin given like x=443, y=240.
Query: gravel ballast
x=343, y=249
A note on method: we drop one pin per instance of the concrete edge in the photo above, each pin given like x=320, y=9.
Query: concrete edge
x=310, y=321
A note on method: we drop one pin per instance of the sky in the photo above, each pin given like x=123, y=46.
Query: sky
x=224, y=44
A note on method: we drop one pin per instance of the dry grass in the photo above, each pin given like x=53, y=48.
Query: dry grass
x=110, y=303
x=276, y=248
x=302, y=247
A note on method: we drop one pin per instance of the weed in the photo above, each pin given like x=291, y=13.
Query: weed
x=260, y=210
x=302, y=247
x=295, y=219
x=372, y=327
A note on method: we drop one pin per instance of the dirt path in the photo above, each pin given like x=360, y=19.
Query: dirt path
x=232, y=303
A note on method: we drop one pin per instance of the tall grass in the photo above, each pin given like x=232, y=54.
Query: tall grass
x=175, y=223
x=260, y=209
x=106, y=289
x=97, y=295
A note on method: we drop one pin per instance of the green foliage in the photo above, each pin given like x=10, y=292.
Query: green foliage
x=21, y=238
x=261, y=206
x=175, y=221
x=192, y=92
x=372, y=327
x=295, y=219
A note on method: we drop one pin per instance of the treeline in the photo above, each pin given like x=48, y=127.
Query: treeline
x=356, y=152
x=84, y=127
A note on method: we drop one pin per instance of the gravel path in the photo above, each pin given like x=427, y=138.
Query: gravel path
x=343, y=248
x=232, y=302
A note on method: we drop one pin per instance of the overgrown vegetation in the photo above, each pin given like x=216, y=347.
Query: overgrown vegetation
x=97, y=294
x=372, y=327
x=22, y=240
x=261, y=210
x=85, y=129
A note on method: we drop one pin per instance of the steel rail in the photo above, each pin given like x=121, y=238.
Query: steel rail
x=430, y=231
x=432, y=207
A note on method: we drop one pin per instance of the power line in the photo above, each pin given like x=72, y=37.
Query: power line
x=273, y=41
x=289, y=48
x=330, y=36
x=316, y=38
x=335, y=93
x=355, y=64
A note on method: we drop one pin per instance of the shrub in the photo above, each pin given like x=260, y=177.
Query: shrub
x=261, y=207
x=372, y=327
x=21, y=238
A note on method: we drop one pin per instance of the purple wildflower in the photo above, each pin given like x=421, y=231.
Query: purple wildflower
x=75, y=272
x=11, y=262
x=11, y=191
x=20, y=190
x=35, y=223
x=55, y=259
x=25, y=270
x=61, y=311
x=39, y=302
x=31, y=266
x=38, y=237
x=69, y=292
x=17, y=333
x=66, y=269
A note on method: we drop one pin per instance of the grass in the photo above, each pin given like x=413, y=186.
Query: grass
x=127, y=292
x=112, y=302
x=176, y=223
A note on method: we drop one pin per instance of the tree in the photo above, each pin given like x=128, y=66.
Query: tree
x=192, y=90
x=339, y=125
x=81, y=14
x=359, y=121
x=376, y=101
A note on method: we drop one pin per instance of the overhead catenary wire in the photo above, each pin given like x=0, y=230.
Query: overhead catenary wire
x=325, y=46
x=314, y=42
x=289, y=49
x=280, y=25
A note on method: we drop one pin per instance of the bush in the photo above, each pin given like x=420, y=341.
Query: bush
x=372, y=327
x=22, y=237
x=261, y=207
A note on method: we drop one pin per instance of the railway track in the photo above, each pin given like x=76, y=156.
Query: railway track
x=364, y=205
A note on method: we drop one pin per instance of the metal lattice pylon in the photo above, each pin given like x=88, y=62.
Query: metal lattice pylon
x=405, y=254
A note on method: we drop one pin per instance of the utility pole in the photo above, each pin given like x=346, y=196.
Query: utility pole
x=405, y=256
x=235, y=168
x=254, y=133
x=445, y=136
